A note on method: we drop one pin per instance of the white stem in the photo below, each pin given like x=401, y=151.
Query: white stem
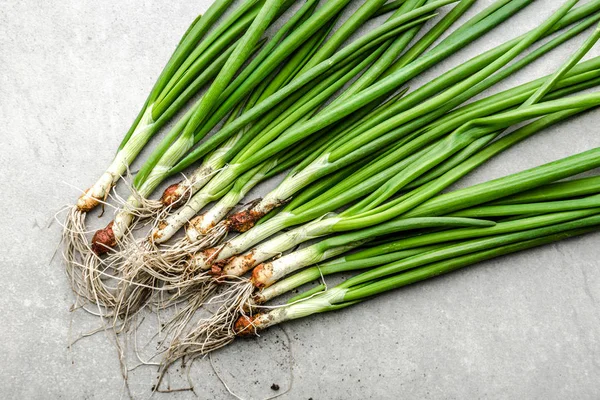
x=288, y=284
x=124, y=218
x=176, y=221
x=273, y=317
x=273, y=247
x=277, y=269
x=291, y=185
x=217, y=212
x=310, y=306
x=119, y=165
x=316, y=304
x=203, y=174
x=231, y=199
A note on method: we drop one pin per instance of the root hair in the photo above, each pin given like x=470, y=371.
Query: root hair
x=217, y=331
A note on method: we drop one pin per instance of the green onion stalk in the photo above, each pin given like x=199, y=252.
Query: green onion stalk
x=331, y=200
x=176, y=194
x=323, y=165
x=546, y=213
x=391, y=6
x=371, y=210
x=200, y=56
x=452, y=43
x=239, y=265
x=408, y=225
x=311, y=96
x=556, y=191
x=163, y=270
x=201, y=224
x=126, y=299
x=301, y=110
x=442, y=248
x=333, y=114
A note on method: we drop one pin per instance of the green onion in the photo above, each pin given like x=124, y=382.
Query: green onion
x=366, y=163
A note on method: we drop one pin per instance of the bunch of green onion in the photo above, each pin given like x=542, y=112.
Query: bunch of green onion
x=366, y=159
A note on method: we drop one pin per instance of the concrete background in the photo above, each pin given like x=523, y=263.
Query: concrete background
x=72, y=76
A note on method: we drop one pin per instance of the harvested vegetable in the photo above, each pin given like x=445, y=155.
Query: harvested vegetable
x=359, y=161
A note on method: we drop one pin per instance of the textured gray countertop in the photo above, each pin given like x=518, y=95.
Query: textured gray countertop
x=72, y=76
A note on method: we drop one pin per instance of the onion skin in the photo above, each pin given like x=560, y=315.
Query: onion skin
x=261, y=275
x=216, y=269
x=245, y=326
x=86, y=202
x=104, y=240
x=244, y=220
x=250, y=325
x=175, y=195
x=239, y=265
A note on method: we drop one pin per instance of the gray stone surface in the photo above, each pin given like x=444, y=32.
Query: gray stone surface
x=72, y=76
